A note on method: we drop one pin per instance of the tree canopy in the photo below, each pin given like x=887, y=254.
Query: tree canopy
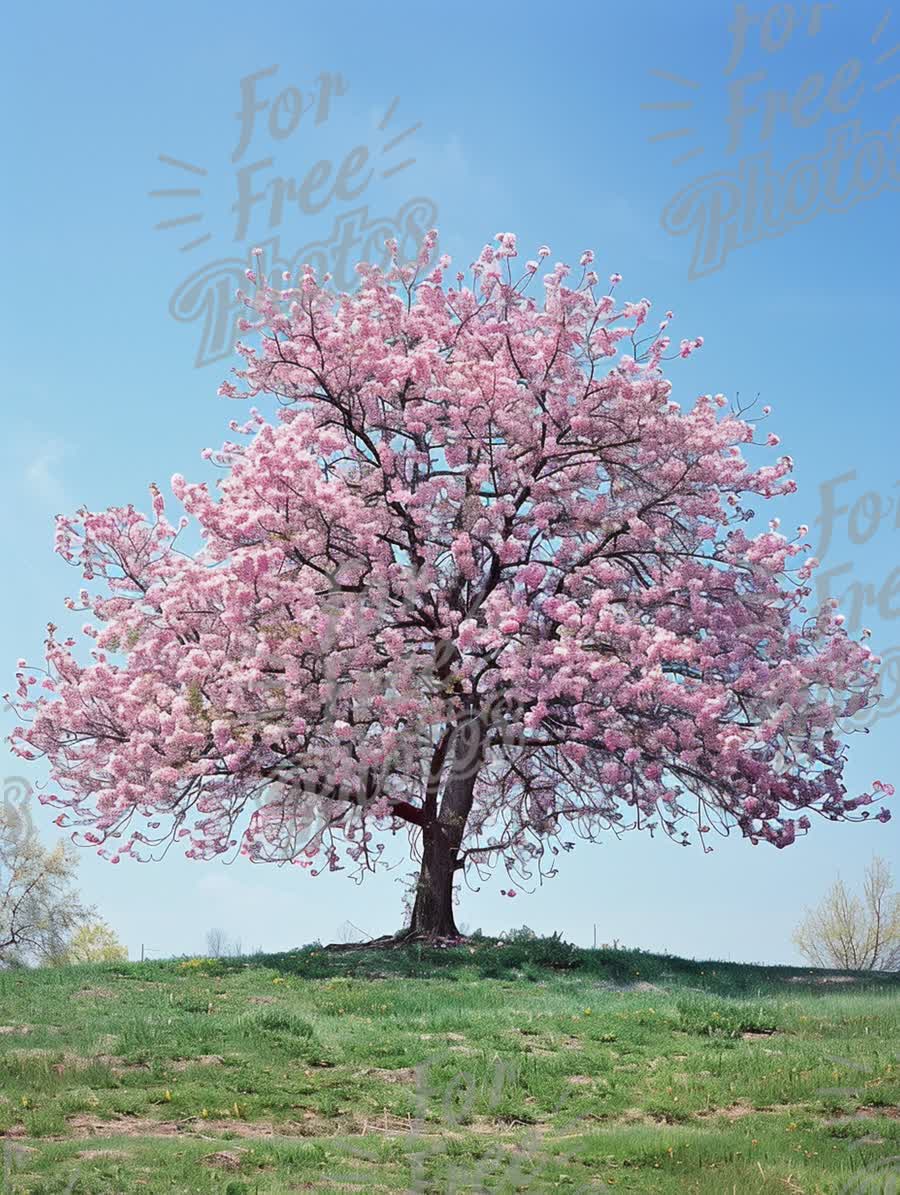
x=482, y=579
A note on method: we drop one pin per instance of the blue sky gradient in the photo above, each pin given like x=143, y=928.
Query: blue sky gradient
x=554, y=125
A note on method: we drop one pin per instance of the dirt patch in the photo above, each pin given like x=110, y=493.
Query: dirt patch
x=639, y=1116
x=183, y=1064
x=757, y=1034
x=386, y=1123
x=890, y=1110
x=224, y=1159
x=236, y=1128
x=867, y=1112
x=261, y=1000
x=312, y=1124
x=738, y=1111
x=143, y=1126
x=507, y=1131
x=15, y=1030
x=122, y=1126
x=732, y=1112
x=404, y=1074
x=94, y=994
x=117, y=1065
x=580, y=1080
x=342, y=1187
x=92, y=1155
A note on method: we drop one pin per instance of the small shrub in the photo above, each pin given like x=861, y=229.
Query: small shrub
x=279, y=1023
x=708, y=1016
x=520, y=935
x=550, y=952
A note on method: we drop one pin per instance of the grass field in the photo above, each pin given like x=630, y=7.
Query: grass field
x=519, y=1067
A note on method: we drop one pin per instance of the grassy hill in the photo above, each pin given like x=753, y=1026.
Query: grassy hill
x=529, y=1066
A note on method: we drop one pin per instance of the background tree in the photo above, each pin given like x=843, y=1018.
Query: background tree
x=853, y=934
x=482, y=581
x=95, y=942
x=219, y=945
x=348, y=933
x=216, y=943
x=39, y=904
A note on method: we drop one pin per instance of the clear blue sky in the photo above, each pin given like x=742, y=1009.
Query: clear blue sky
x=532, y=121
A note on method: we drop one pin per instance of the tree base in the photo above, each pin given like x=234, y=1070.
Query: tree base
x=404, y=937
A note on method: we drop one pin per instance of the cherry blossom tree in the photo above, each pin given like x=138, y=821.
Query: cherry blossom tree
x=480, y=582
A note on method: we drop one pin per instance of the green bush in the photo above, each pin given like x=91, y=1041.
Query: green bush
x=713, y=1017
x=517, y=950
x=279, y=1022
x=525, y=934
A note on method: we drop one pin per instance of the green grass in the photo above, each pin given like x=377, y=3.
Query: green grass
x=529, y=1066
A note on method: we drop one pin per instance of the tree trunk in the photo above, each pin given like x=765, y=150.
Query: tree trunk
x=432, y=915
